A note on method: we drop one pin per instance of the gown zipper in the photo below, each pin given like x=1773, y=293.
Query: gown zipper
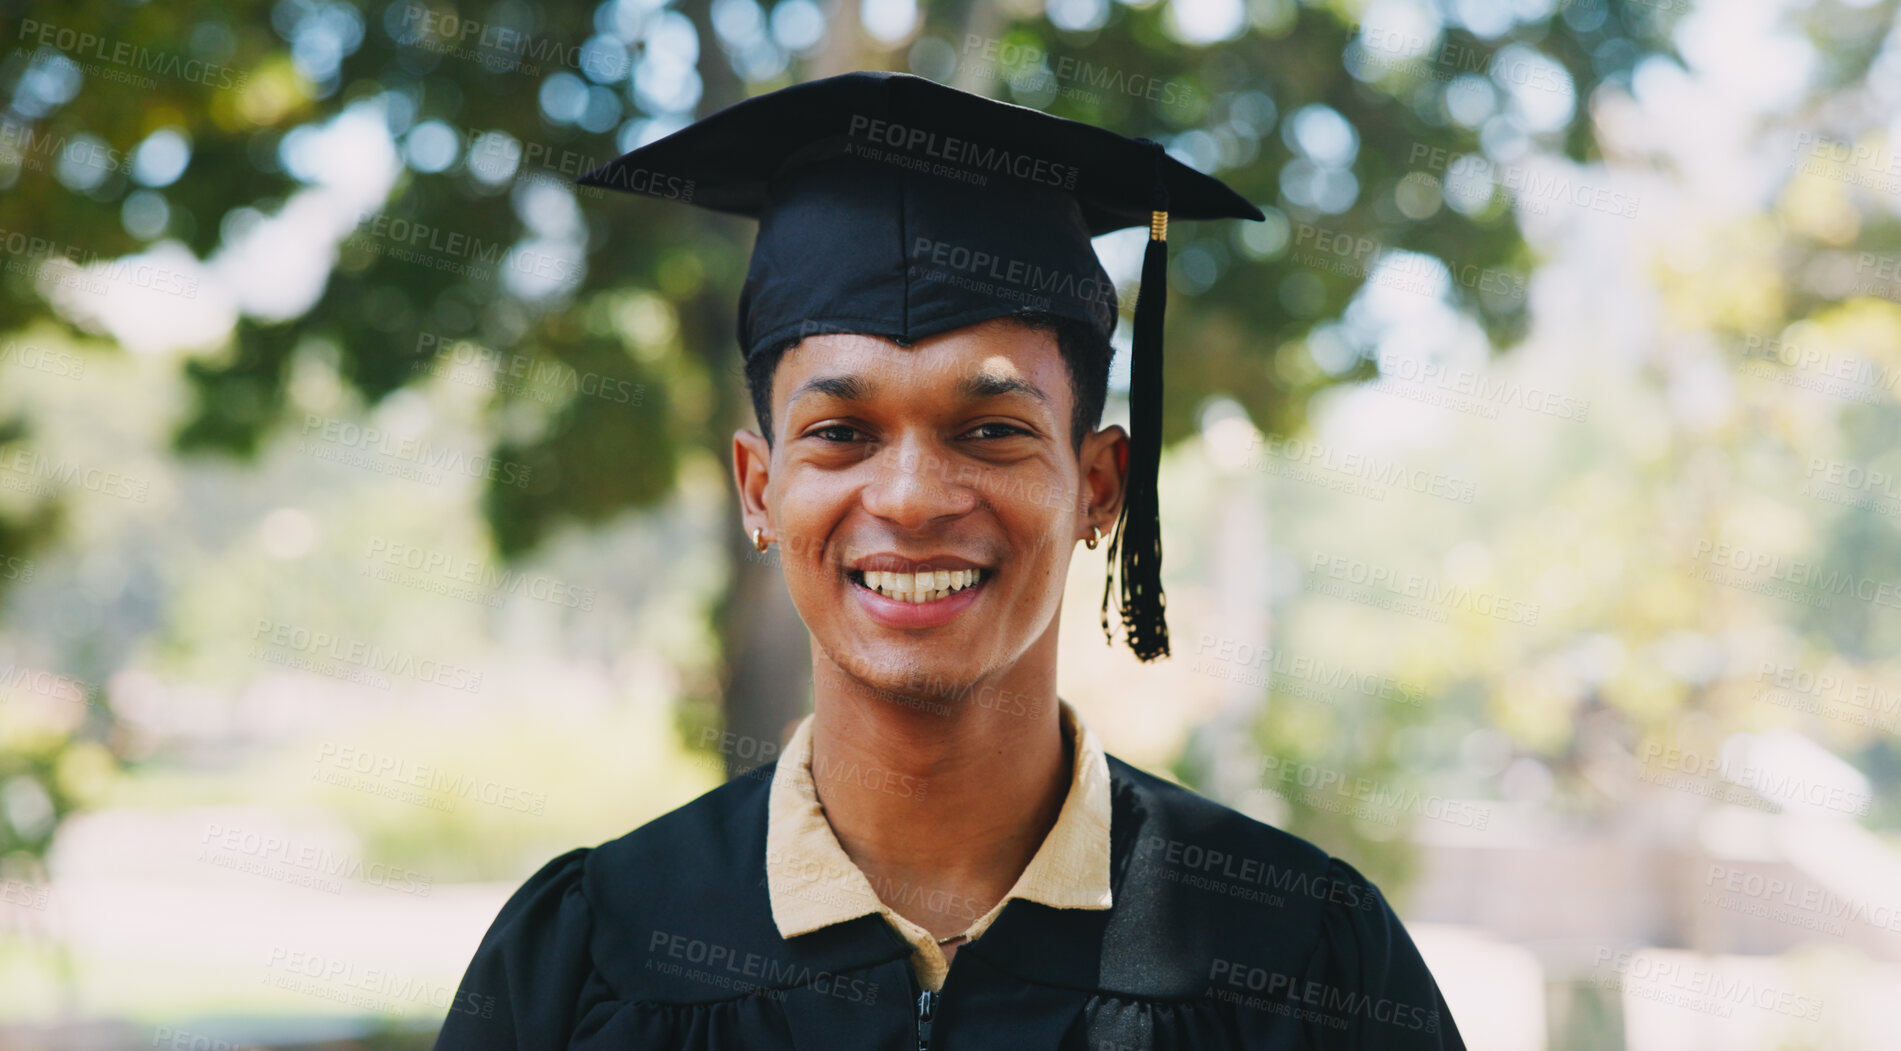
x=926, y=1011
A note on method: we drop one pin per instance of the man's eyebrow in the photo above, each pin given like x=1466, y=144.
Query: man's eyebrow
x=990, y=385
x=844, y=388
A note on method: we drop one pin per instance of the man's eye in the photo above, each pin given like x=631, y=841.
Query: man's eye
x=837, y=432
x=994, y=431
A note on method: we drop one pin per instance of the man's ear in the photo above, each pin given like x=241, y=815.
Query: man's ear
x=752, y=469
x=1105, y=473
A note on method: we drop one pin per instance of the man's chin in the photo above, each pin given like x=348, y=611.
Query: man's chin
x=924, y=676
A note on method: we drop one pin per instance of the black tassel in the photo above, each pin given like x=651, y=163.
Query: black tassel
x=1136, y=552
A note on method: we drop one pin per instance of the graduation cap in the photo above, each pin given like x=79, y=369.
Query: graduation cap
x=891, y=205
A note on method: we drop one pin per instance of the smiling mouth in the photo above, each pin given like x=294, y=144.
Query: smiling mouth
x=918, y=588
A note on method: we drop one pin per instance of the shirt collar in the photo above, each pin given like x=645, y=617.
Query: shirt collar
x=813, y=883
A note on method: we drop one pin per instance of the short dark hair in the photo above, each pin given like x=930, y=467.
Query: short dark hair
x=1086, y=355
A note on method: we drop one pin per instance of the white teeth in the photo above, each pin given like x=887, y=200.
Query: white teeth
x=928, y=586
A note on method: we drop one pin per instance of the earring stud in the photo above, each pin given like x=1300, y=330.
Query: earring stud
x=759, y=540
x=1094, y=540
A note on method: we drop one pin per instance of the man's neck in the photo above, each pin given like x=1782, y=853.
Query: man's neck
x=943, y=801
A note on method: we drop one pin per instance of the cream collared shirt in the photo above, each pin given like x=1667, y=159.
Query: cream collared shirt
x=813, y=883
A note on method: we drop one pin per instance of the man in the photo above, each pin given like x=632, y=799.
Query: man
x=943, y=857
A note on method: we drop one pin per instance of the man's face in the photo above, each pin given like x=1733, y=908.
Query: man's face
x=952, y=458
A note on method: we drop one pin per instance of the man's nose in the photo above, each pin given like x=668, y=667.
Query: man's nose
x=911, y=486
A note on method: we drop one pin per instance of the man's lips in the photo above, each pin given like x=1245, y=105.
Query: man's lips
x=895, y=563
x=915, y=609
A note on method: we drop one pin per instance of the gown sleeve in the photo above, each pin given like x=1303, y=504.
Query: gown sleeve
x=1367, y=979
x=523, y=987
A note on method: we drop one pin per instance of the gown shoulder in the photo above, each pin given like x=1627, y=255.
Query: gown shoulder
x=621, y=942
x=1218, y=907
x=527, y=975
x=1366, y=981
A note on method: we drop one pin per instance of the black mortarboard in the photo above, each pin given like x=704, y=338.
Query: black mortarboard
x=892, y=205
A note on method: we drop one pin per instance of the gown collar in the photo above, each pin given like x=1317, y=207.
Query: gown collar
x=813, y=884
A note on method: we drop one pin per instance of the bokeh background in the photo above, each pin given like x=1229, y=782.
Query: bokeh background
x=367, y=537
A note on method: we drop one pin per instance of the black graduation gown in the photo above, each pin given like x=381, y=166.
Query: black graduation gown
x=1225, y=933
